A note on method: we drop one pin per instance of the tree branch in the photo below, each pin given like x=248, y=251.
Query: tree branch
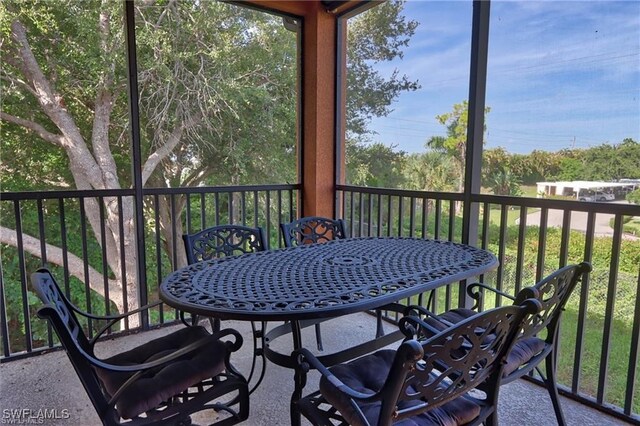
x=34, y=127
x=55, y=255
x=19, y=82
x=161, y=153
x=104, y=107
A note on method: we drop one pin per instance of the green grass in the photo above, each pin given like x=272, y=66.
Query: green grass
x=529, y=191
x=632, y=227
x=618, y=360
x=512, y=215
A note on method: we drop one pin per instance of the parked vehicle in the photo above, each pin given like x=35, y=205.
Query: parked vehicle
x=597, y=196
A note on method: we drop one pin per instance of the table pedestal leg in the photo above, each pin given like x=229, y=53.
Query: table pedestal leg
x=299, y=378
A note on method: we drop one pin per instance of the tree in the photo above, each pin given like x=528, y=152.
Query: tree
x=66, y=90
x=503, y=182
x=455, y=143
x=375, y=37
x=492, y=160
x=376, y=165
x=216, y=106
x=431, y=171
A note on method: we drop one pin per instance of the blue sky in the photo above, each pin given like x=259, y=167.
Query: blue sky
x=561, y=74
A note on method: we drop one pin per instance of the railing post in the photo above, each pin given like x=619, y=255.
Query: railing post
x=136, y=152
x=475, y=126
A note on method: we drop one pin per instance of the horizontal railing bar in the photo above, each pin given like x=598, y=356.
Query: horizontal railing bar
x=456, y=196
x=46, y=195
x=581, y=206
x=221, y=189
x=43, y=195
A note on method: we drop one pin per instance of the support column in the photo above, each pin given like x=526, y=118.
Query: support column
x=318, y=112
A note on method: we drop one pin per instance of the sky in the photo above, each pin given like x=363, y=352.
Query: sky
x=561, y=74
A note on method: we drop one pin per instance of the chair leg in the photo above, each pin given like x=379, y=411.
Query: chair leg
x=215, y=324
x=318, y=337
x=492, y=420
x=379, y=327
x=550, y=382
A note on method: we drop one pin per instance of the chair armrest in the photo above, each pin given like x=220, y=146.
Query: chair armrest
x=393, y=307
x=305, y=359
x=237, y=342
x=111, y=319
x=418, y=311
x=412, y=326
x=475, y=291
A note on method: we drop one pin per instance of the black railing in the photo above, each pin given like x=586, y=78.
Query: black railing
x=53, y=229
x=532, y=237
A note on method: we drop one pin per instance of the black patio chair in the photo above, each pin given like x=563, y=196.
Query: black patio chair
x=223, y=240
x=425, y=381
x=310, y=230
x=552, y=292
x=161, y=382
x=220, y=241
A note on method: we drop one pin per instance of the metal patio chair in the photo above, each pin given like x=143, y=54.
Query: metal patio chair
x=310, y=230
x=425, y=381
x=552, y=292
x=227, y=240
x=161, y=382
x=223, y=240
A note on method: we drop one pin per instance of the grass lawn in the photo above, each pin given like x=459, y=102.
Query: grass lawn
x=512, y=215
x=618, y=363
x=529, y=191
x=633, y=226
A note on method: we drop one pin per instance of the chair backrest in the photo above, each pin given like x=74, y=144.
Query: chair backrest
x=429, y=373
x=552, y=292
x=312, y=229
x=59, y=311
x=223, y=240
x=58, y=306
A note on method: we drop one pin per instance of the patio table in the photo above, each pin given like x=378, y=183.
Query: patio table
x=311, y=282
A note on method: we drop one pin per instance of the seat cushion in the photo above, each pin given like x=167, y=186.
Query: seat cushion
x=161, y=383
x=521, y=353
x=368, y=374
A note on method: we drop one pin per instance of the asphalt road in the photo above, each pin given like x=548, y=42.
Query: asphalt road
x=579, y=222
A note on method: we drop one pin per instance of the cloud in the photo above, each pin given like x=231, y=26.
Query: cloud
x=556, y=70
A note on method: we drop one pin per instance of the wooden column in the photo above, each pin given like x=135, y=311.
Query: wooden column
x=317, y=154
x=318, y=112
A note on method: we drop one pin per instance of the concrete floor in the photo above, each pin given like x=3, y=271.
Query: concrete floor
x=49, y=382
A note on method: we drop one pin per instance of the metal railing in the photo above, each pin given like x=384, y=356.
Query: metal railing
x=52, y=229
x=531, y=238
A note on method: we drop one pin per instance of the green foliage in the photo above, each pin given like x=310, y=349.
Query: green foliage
x=431, y=171
x=375, y=165
x=504, y=182
x=634, y=196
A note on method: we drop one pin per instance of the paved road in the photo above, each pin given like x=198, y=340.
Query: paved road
x=579, y=222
